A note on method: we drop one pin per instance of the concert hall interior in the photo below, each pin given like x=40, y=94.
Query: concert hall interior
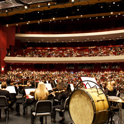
x=62, y=61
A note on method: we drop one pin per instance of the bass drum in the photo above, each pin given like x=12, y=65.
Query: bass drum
x=88, y=106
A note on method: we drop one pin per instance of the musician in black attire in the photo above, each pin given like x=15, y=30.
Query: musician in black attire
x=26, y=102
x=4, y=92
x=61, y=98
x=12, y=95
x=111, y=89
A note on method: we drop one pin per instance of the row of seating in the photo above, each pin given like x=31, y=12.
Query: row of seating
x=42, y=108
x=70, y=51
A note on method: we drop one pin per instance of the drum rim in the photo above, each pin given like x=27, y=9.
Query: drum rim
x=92, y=101
x=94, y=87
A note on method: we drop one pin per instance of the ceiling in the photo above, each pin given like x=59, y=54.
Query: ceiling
x=20, y=12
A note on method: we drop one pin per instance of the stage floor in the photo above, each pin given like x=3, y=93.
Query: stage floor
x=14, y=119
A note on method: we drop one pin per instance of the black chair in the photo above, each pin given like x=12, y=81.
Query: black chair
x=4, y=106
x=65, y=106
x=43, y=108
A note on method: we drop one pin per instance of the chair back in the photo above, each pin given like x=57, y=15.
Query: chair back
x=3, y=101
x=44, y=106
x=66, y=102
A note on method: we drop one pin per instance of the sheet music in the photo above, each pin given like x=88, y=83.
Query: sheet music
x=48, y=86
x=11, y=89
x=89, y=81
x=72, y=87
x=28, y=90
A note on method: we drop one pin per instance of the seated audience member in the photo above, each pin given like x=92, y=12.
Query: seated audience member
x=41, y=93
x=61, y=98
x=4, y=92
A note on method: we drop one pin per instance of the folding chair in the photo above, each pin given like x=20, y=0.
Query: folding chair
x=4, y=106
x=43, y=108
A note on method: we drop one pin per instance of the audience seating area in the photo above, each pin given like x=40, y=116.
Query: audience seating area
x=111, y=50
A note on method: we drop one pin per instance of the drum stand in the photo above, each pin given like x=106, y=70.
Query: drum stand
x=111, y=115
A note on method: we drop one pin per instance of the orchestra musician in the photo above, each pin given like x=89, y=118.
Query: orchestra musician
x=111, y=89
x=41, y=93
x=28, y=101
x=62, y=96
x=6, y=93
x=24, y=99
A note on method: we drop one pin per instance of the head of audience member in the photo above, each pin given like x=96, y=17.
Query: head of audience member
x=41, y=92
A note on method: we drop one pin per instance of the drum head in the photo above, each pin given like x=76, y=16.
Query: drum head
x=81, y=108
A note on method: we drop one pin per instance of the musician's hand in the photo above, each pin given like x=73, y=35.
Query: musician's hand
x=52, y=93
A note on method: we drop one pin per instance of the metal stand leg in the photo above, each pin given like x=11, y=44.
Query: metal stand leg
x=120, y=113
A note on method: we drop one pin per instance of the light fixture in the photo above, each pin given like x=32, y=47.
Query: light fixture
x=7, y=25
x=111, y=13
x=26, y=7
x=53, y=18
x=78, y=9
x=48, y=4
x=6, y=11
x=113, y=2
x=2, y=69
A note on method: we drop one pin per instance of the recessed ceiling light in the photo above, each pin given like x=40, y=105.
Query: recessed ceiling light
x=53, y=18
x=113, y=2
x=7, y=25
x=78, y=9
x=26, y=7
x=111, y=13
x=48, y=4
